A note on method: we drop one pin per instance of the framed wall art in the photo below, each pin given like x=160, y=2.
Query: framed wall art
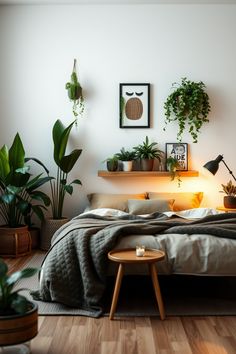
x=134, y=105
x=180, y=152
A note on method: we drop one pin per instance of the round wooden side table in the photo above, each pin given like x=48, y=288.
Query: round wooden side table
x=128, y=255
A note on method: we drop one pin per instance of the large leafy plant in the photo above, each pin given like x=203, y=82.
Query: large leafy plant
x=11, y=301
x=148, y=150
x=59, y=186
x=188, y=105
x=19, y=194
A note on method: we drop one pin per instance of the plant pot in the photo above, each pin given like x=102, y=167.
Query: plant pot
x=19, y=328
x=127, y=165
x=49, y=227
x=146, y=164
x=15, y=241
x=112, y=165
x=230, y=202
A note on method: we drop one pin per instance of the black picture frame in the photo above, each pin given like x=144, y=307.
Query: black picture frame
x=134, y=102
x=180, y=152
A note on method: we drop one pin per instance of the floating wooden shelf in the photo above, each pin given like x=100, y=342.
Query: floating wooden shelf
x=108, y=174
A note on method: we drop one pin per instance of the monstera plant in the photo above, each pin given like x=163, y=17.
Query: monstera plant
x=20, y=198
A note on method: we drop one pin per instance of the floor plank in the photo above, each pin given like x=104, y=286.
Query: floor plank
x=134, y=335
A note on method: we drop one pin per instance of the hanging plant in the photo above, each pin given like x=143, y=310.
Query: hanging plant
x=188, y=104
x=75, y=93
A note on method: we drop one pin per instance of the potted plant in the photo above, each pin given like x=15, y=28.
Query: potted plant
x=172, y=165
x=189, y=106
x=112, y=163
x=230, y=199
x=75, y=93
x=127, y=158
x=18, y=316
x=146, y=153
x=59, y=186
x=19, y=198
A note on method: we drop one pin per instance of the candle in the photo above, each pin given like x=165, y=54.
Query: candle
x=140, y=250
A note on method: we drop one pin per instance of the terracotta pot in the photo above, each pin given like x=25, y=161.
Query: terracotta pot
x=49, y=227
x=230, y=202
x=16, y=329
x=15, y=241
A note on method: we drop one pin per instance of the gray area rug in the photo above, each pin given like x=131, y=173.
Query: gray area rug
x=182, y=296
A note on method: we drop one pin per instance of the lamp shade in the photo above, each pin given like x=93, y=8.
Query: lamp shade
x=213, y=165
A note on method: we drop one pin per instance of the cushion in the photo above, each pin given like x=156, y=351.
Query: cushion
x=114, y=201
x=139, y=207
x=183, y=201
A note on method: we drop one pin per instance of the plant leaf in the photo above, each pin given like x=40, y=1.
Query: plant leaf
x=25, y=273
x=68, y=162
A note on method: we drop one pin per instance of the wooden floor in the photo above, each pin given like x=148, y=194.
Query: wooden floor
x=139, y=335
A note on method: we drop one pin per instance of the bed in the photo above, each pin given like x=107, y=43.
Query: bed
x=196, y=240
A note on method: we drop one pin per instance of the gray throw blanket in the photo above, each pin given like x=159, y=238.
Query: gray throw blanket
x=74, y=269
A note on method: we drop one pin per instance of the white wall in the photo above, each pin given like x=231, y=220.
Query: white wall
x=118, y=43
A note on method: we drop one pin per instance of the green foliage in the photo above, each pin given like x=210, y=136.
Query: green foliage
x=125, y=155
x=173, y=165
x=11, y=301
x=18, y=191
x=59, y=185
x=148, y=150
x=188, y=104
x=75, y=93
x=229, y=189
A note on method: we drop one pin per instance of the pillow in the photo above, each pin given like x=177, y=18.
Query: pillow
x=105, y=212
x=113, y=201
x=197, y=213
x=183, y=201
x=140, y=207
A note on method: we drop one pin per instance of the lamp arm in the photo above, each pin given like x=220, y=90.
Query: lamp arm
x=228, y=169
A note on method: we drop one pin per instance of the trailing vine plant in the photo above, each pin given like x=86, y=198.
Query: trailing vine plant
x=188, y=104
x=75, y=93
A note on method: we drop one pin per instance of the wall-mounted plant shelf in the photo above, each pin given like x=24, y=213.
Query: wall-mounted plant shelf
x=108, y=174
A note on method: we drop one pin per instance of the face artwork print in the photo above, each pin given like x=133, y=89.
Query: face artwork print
x=134, y=105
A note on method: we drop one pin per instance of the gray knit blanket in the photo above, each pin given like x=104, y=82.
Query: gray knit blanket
x=74, y=270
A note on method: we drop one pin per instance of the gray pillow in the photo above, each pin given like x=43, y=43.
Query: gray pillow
x=140, y=207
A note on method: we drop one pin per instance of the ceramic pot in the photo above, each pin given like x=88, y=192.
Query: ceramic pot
x=112, y=165
x=230, y=202
x=146, y=164
x=127, y=165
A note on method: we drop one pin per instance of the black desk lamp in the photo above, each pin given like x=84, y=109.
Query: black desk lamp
x=213, y=166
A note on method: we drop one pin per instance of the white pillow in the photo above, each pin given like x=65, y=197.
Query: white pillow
x=195, y=213
x=105, y=212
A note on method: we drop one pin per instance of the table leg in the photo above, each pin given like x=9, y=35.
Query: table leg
x=153, y=273
x=116, y=291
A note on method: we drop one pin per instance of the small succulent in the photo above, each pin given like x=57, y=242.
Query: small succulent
x=10, y=300
x=229, y=189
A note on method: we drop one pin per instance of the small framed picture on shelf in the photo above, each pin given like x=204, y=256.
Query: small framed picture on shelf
x=179, y=151
x=134, y=105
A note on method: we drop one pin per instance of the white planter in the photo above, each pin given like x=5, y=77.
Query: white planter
x=127, y=165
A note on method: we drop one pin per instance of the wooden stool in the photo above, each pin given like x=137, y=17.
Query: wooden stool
x=128, y=255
